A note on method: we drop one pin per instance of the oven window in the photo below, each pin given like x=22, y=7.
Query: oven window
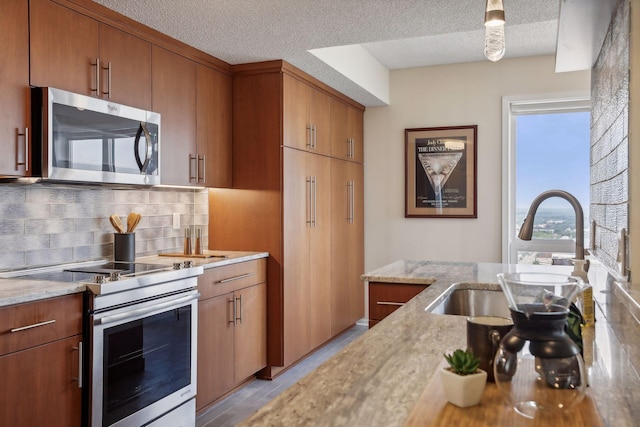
x=144, y=361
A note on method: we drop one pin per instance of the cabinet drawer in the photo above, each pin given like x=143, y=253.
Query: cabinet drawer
x=228, y=278
x=35, y=323
x=386, y=298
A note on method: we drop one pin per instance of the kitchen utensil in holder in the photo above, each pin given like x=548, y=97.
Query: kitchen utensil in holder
x=124, y=247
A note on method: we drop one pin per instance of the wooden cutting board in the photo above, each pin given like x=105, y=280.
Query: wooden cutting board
x=432, y=409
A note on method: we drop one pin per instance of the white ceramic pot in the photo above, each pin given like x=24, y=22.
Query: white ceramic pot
x=463, y=390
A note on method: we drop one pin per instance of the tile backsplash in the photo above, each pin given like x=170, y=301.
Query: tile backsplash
x=610, y=137
x=44, y=223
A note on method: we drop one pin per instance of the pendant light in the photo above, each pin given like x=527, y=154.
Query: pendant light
x=494, y=30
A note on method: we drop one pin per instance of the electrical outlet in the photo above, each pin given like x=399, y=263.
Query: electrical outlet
x=176, y=220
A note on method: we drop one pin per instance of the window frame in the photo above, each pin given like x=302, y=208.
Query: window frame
x=513, y=106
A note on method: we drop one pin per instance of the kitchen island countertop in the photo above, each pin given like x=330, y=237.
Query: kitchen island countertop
x=377, y=379
x=16, y=290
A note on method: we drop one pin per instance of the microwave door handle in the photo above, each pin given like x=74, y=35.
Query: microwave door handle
x=143, y=166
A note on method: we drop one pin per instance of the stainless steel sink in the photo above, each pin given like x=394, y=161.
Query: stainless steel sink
x=471, y=299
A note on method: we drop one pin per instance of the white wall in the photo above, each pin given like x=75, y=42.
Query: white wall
x=449, y=95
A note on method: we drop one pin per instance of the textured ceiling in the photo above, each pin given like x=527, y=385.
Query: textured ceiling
x=398, y=33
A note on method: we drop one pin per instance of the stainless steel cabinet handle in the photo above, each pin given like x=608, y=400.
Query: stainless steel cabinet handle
x=35, y=325
x=310, y=140
x=390, y=303
x=195, y=160
x=315, y=200
x=353, y=191
x=231, y=279
x=309, y=198
x=350, y=203
x=233, y=311
x=79, y=378
x=108, y=92
x=240, y=310
x=315, y=136
x=97, y=88
x=26, y=151
x=202, y=177
x=348, y=200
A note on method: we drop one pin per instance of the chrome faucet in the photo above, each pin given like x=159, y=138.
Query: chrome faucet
x=526, y=231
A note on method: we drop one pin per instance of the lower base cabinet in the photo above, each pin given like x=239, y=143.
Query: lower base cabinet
x=385, y=298
x=232, y=328
x=40, y=361
x=39, y=386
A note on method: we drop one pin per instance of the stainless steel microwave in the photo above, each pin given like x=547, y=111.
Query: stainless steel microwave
x=84, y=139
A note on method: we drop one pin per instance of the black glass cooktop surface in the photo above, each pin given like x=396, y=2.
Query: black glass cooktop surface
x=118, y=267
x=86, y=273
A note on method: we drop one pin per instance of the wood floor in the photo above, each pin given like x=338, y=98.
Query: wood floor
x=245, y=401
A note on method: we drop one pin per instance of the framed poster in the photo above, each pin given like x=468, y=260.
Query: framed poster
x=440, y=172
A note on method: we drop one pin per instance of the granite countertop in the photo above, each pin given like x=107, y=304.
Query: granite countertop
x=15, y=290
x=377, y=379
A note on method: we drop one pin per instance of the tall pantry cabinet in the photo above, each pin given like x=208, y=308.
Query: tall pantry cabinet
x=285, y=197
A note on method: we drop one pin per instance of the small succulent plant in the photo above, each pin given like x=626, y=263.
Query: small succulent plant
x=462, y=362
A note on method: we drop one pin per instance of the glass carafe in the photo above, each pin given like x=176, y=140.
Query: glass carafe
x=538, y=368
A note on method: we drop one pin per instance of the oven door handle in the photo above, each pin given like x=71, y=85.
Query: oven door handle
x=142, y=311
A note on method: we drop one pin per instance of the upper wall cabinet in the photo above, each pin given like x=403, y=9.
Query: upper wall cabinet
x=14, y=88
x=102, y=54
x=125, y=68
x=174, y=97
x=214, y=127
x=307, y=112
x=73, y=52
x=346, y=132
x=194, y=102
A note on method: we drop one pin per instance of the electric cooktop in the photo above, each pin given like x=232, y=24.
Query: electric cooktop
x=86, y=273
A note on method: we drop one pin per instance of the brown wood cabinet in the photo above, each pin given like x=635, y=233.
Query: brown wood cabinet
x=125, y=68
x=174, y=97
x=213, y=127
x=283, y=205
x=307, y=251
x=232, y=331
x=308, y=112
x=385, y=298
x=347, y=136
x=14, y=89
x=40, y=362
x=74, y=52
x=85, y=48
x=347, y=236
x=194, y=102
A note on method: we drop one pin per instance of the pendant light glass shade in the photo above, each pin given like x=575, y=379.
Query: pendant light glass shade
x=494, y=46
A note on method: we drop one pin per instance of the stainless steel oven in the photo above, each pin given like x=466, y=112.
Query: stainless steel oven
x=141, y=326
x=143, y=349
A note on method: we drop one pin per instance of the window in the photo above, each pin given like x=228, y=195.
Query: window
x=546, y=145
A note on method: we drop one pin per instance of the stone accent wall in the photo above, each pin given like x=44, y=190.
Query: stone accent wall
x=44, y=224
x=610, y=137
